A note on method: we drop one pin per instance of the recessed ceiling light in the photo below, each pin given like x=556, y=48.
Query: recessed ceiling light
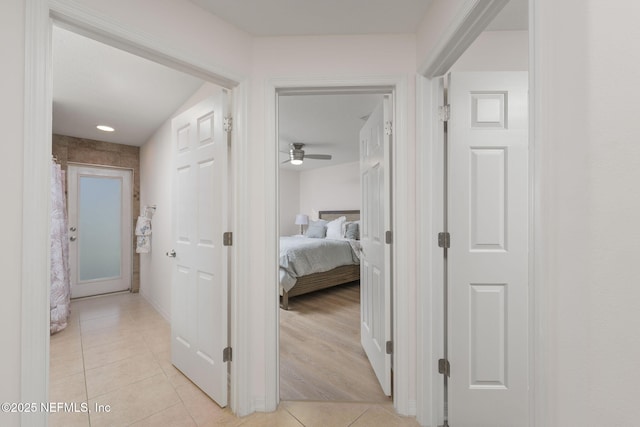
x=105, y=128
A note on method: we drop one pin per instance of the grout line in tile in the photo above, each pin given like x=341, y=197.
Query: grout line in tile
x=129, y=320
x=116, y=389
x=359, y=416
x=182, y=402
x=155, y=413
x=296, y=418
x=84, y=371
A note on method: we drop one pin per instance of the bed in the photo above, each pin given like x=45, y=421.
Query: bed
x=300, y=271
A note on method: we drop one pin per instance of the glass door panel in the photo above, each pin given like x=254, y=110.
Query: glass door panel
x=99, y=225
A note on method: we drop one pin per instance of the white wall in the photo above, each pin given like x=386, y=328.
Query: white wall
x=589, y=164
x=12, y=113
x=320, y=189
x=496, y=51
x=155, y=189
x=289, y=201
x=156, y=175
x=330, y=188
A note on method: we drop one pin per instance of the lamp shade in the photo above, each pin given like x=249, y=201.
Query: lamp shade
x=302, y=219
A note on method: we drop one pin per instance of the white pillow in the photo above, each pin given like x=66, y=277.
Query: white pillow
x=334, y=228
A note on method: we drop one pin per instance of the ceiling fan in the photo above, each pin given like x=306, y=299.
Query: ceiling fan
x=297, y=155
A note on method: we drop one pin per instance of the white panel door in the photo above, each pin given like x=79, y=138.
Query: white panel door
x=375, y=271
x=100, y=223
x=488, y=259
x=199, y=288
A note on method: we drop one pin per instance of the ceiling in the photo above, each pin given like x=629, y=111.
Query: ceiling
x=513, y=17
x=326, y=17
x=314, y=17
x=96, y=84
x=326, y=124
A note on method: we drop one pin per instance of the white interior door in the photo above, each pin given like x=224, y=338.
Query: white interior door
x=375, y=271
x=488, y=258
x=199, y=288
x=100, y=224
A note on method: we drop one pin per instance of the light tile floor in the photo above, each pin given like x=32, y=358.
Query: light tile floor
x=116, y=352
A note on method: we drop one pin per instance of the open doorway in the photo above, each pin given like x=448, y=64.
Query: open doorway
x=106, y=106
x=321, y=196
x=129, y=334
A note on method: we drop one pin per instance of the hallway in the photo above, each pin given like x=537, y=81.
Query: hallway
x=116, y=352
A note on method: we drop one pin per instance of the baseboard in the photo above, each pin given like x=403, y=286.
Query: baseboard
x=412, y=408
x=162, y=312
x=260, y=405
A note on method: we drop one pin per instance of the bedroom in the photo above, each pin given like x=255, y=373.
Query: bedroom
x=326, y=186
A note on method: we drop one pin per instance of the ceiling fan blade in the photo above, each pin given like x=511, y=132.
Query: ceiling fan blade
x=286, y=161
x=318, y=156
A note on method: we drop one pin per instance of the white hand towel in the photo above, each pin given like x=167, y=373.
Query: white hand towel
x=143, y=244
x=143, y=226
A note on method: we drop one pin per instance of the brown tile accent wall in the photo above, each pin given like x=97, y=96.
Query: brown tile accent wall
x=78, y=150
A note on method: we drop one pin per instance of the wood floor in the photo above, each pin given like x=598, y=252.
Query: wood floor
x=320, y=353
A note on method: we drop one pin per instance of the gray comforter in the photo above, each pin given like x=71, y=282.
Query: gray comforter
x=300, y=256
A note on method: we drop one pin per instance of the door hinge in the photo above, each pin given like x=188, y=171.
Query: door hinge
x=389, y=347
x=444, y=367
x=227, y=354
x=227, y=238
x=444, y=240
x=388, y=237
x=228, y=124
x=388, y=128
x=444, y=112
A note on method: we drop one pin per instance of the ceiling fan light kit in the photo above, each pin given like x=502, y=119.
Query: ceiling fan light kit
x=297, y=156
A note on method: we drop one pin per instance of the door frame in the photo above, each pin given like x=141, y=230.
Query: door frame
x=39, y=18
x=403, y=371
x=470, y=20
x=129, y=217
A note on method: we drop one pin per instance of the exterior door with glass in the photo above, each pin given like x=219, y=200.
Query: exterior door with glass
x=100, y=224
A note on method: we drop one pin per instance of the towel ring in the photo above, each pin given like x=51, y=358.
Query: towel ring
x=150, y=210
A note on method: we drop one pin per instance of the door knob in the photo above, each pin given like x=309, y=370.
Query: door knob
x=171, y=254
x=72, y=238
x=72, y=229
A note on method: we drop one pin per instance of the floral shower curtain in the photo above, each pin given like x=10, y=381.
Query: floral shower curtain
x=60, y=274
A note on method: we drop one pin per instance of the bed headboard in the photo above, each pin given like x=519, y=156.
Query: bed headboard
x=352, y=215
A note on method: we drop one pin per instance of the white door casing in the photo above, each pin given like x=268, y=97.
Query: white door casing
x=200, y=216
x=375, y=260
x=488, y=258
x=100, y=229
